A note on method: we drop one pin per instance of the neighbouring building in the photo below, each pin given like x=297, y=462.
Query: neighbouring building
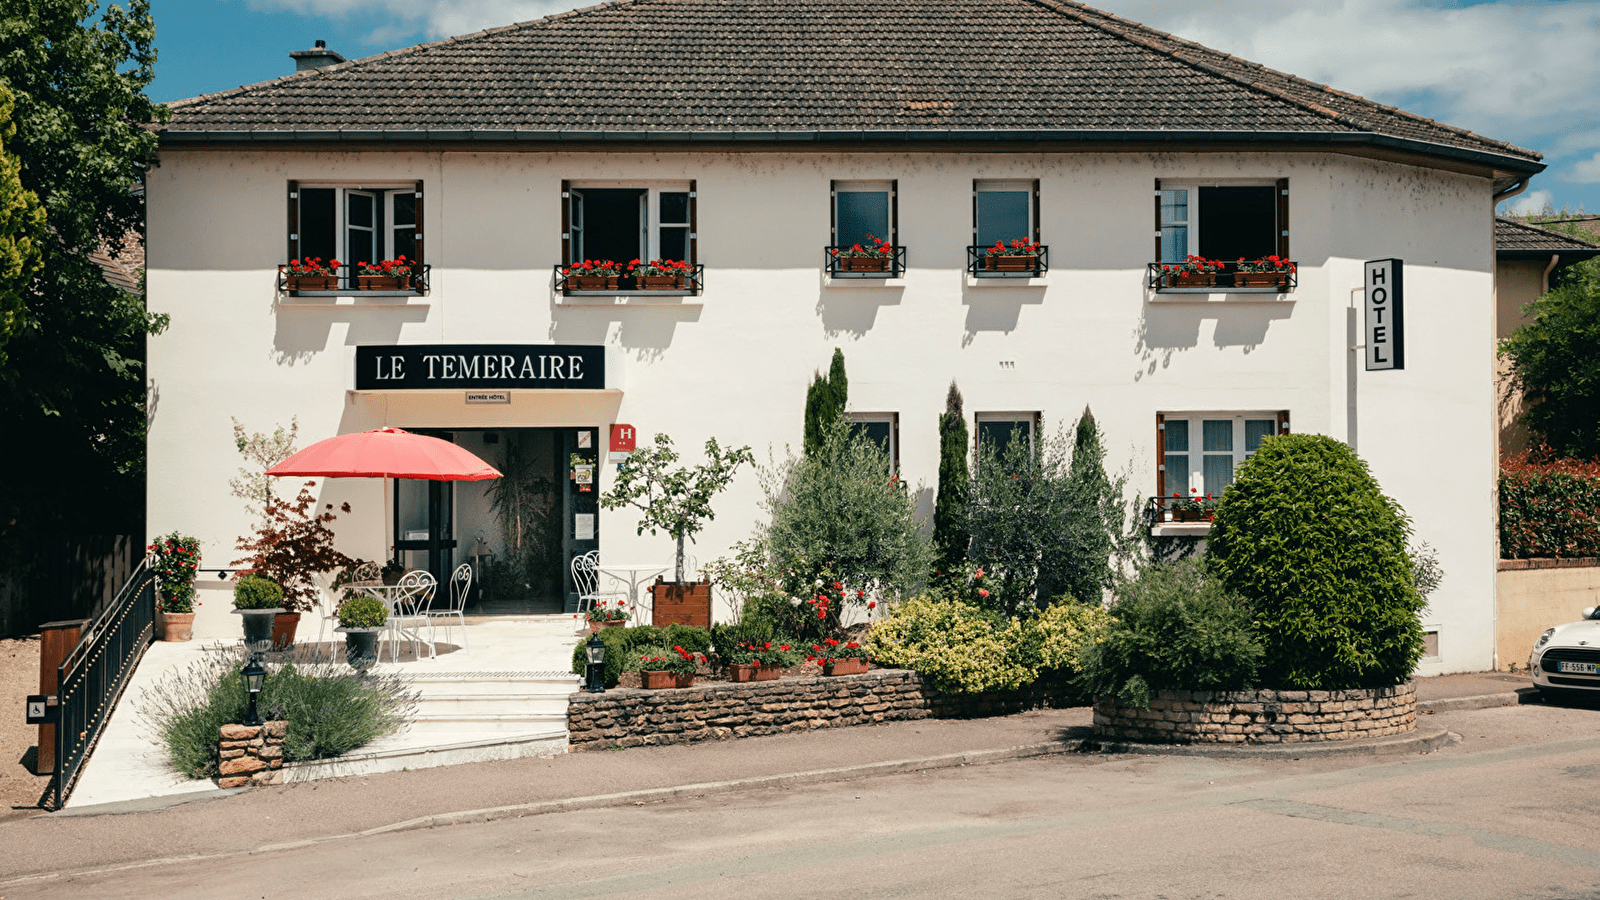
x=748, y=139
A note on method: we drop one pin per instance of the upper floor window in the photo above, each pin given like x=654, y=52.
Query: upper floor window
x=1005, y=229
x=354, y=225
x=641, y=238
x=864, y=230
x=1242, y=226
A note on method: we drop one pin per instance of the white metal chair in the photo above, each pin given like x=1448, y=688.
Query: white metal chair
x=586, y=579
x=460, y=588
x=409, y=612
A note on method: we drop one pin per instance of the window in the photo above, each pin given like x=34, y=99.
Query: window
x=1004, y=211
x=355, y=224
x=627, y=223
x=998, y=429
x=863, y=210
x=884, y=430
x=1224, y=222
x=1198, y=451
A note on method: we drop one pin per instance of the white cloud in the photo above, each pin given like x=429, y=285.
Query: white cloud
x=435, y=18
x=1530, y=203
x=1586, y=171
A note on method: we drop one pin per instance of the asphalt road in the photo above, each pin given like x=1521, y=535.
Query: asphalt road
x=1511, y=811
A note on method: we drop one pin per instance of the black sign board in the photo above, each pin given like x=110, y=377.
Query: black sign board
x=1386, y=314
x=477, y=367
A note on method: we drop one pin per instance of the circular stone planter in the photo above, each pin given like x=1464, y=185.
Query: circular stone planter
x=1260, y=717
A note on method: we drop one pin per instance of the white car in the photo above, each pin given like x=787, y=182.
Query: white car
x=1566, y=658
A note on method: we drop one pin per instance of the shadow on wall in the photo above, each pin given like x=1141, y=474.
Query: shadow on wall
x=646, y=333
x=303, y=333
x=848, y=310
x=1166, y=329
x=995, y=308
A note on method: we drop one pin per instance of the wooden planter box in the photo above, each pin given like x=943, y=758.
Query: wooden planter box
x=845, y=667
x=1279, y=280
x=656, y=681
x=740, y=672
x=313, y=282
x=384, y=282
x=660, y=282
x=688, y=603
x=864, y=263
x=1011, y=263
x=1189, y=279
x=592, y=282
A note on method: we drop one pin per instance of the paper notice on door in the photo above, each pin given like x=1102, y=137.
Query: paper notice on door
x=583, y=527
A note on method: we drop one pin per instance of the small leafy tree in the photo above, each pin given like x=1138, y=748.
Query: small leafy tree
x=950, y=535
x=262, y=451
x=825, y=401
x=1555, y=364
x=21, y=227
x=674, y=499
x=1307, y=537
x=291, y=545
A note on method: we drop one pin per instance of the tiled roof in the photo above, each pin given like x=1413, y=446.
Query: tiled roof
x=765, y=68
x=1515, y=238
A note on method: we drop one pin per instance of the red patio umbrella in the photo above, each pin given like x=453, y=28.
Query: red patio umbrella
x=386, y=453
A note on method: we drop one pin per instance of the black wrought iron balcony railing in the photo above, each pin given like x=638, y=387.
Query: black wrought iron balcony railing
x=1179, y=509
x=686, y=283
x=841, y=265
x=350, y=280
x=981, y=264
x=1167, y=278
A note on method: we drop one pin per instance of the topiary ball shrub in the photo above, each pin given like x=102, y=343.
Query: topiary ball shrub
x=257, y=592
x=1174, y=627
x=363, y=612
x=1307, y=537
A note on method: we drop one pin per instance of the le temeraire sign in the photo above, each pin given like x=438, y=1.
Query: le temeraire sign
x=1386, y=322
x=481, y=367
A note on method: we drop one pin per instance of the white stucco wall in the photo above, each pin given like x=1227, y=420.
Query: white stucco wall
x=734, y=363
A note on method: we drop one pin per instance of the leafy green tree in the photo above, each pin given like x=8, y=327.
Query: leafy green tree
x=21, y=226
x=1306, y=536
x=825, y=401
x=674, y=499
x=1555, y=359
x=950, y=535
x=74, y=382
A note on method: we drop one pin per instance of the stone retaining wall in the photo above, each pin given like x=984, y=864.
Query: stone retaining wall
x=718, y=710
x=251, y=754
x=1265, y=717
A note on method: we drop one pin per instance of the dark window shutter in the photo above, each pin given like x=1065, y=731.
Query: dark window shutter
x=417, y=251
x=974, y=211
x=1283, y=217
x=1283, y=421
x=894, y=212
x=894, y=424
x=1036, y=210
x=294, y=221
x=1161, y=455
x=694, y=225
x=1157, y=255
x=566, y=223
x=833, y=213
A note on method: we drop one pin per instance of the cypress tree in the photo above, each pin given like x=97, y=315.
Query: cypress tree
x=838, y=384
x=1098, y=500
x=950, y=532
x=825, y=401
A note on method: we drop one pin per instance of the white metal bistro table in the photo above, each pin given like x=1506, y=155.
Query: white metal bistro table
x=634, y=574
x=389, y=595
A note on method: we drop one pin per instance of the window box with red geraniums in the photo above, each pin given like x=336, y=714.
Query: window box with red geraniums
x=1021, y=255
x=310, y=274
x=664, y=667
x=1193, y=508
x=592, y=275
x=1194, y=271
x=764, y=661
x=839, y=657
x=878, y=257
x=387, y=275
x=659, y=274
x=1268, y=271
x=605, y=614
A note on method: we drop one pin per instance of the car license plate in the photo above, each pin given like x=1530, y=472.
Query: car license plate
x=1580, y=668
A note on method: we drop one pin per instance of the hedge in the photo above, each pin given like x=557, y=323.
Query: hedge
x=1548, y=507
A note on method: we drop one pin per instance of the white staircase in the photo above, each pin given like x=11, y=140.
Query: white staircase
x=490, y=703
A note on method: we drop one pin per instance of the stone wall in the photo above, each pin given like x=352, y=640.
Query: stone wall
x=251, y=754
x=1264, y=717
x=719, y=710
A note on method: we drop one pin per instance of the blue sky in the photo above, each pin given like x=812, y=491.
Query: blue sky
x=1519, y=71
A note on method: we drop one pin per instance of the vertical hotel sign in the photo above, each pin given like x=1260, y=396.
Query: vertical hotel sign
x=1386, y=321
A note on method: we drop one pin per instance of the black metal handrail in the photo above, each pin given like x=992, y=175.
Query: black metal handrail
x=1166, y=510
x=350, y=280
x=892, y=266
x=1229, y=279
x=981, y=265
x=91, y=678
x=693, y=283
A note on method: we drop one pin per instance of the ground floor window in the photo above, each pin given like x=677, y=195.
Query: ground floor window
x=883, y=428
x=998, y=429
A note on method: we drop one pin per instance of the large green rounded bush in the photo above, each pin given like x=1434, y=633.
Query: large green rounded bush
x=1307, y=537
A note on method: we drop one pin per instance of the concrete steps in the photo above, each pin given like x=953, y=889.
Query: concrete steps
x=492, y=702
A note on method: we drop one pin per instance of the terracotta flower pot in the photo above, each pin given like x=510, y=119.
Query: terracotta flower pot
x=845, y=667
x=864, y=263
x=384, y=282
x=1190, y=279
x=1261, y=279
x=661, y=282
x=1011, y=263
x=598, y=626
x=177, y=626
x=283, y=629
x=742, y=672
x=655, y=681
x=313, y=282
x=592, y=282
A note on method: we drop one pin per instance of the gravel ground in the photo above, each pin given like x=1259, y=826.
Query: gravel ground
x=20, y=789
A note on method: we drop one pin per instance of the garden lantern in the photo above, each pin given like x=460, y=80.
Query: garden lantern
x=595, y=672
x=254, y=674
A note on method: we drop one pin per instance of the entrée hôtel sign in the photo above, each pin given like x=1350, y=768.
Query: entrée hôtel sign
x=410, y=367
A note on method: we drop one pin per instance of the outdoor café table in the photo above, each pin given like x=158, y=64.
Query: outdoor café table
x=634, y=574
x=389, y=595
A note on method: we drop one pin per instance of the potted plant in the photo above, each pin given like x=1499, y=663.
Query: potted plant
x=592, y=275
x=310, y=274
x=1021, y=255
x=1208, y=507
x=664, y=667
x=677, y=500
x=1268, y=271
x=387, y=275
x=174, y=559
x=1185, y=508
x=392, y=572
x=603, y=615
x=659, y=274
x=839, y=657
x=878, y=256
x=761, y=660
x=1194, y=271
x=360, y=621
x=289, y=546
x=258, y=600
